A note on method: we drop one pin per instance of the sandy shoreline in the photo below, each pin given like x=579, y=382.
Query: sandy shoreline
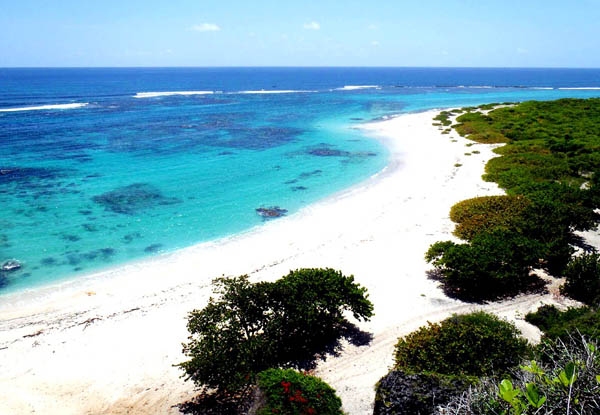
x=106, y=344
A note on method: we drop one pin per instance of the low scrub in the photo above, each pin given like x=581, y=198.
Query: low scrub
x=568, y=383
x=486, y=213
x=288, y=392
x=557, y=324
x=583, y=279
x=473, y=344
x=492, y=265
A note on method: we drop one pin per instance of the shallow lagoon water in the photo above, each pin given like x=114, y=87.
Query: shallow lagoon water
x=90, y=186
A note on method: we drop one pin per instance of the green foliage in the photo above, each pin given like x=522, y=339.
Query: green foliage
x=493, y=264
x=473, y=344
x=558, y=324
x=567, y=384
x=485, y=213
x=442, y=117
x=255, y=326
x=288, y=392
x=583, y=279
x=550, y=169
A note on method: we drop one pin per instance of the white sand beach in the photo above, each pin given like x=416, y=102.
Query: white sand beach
x=106, y=344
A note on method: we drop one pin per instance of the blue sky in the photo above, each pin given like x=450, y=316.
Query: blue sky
x=505, y=33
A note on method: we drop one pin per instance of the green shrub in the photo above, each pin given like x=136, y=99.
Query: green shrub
x=568, y=383
x=288, y=392
x=492, y=265
x=485, y=213
x=472, y=344
x=556, y=324
x=252, y=327
x=583, y=279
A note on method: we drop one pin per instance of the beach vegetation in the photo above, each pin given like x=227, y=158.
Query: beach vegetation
x=564, y=380
x=557, y=324
x=550, y=167
x=288, y=392
x=494, y=264
x=250, y=327
x=583, y=279
x=474, y=344
x=486, y=213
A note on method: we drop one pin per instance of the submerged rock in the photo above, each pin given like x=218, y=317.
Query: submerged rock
x=328, y=152
x=11, y=265
x=271, y=212
x=153, y=248
x=133, y=198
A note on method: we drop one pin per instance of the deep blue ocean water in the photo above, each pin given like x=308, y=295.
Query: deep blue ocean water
x=121, y=177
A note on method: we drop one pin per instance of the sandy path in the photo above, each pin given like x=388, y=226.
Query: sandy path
x=106, y=344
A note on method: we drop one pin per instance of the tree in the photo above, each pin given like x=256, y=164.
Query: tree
x=255, y=326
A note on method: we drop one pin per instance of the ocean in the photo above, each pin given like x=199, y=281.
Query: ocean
x=103, y=166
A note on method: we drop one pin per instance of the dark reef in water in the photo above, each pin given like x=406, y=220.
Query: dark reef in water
x=298, y=188
x=75, y=258
x=271, y=212
x=131, y=236
x=131, y=199
x=306, y=175
x=153, y=248
x=328, y=152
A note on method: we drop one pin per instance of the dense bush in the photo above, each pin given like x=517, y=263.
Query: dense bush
x=287, y=392
x=254, y=326
x=402, y=393
x=486, y=213
x=563, y=324
x=550, y=170
x=583, y=279
x=473, y=344
x=493, y=264
x=569, y=383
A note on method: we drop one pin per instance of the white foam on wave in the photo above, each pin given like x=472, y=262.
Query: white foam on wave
x=169, y=93
x=353, y=87
x=46, y=107
x=582, y=87
x=273, y=91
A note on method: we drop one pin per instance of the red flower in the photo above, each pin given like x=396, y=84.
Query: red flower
x=286, y=386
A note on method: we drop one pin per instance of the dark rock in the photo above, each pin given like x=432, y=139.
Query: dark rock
x=299, y=188
x=271, y=212
x=10, y=265
x=226, y=153
x=400, y=393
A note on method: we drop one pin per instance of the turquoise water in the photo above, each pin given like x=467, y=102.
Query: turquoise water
x=122, y=177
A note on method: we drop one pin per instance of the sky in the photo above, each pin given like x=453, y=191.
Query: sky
x=475, y=33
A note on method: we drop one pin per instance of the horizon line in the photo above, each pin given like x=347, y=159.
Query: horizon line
x=299, y=67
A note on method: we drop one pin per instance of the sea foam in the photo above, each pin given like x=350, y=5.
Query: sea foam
x=353, y=87
x=46, y=107
x=581, y=87
x=272, y=91
x=168, y=93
